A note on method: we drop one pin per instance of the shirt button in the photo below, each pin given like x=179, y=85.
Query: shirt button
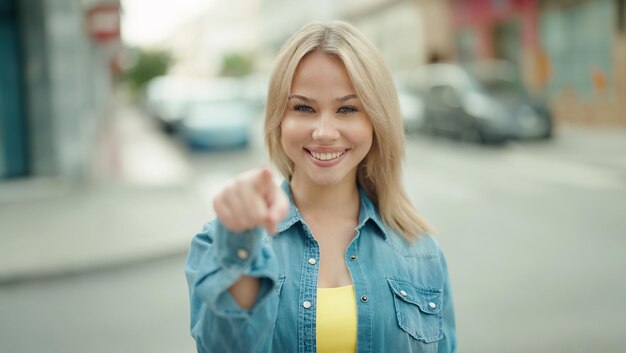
x=312, y=261
x=364, y=298
x=242, y=254
x=306, y=304
x=352, y=257
x=403, y=293
x=432, y=305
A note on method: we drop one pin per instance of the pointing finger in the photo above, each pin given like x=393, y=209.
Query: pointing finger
x=264, y=181
x=279, y=207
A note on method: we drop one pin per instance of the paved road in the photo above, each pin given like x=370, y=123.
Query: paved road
x=142, y=308
x=535, y=238
x=534, y=235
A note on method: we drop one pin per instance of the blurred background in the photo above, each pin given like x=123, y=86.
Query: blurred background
x=120, y=119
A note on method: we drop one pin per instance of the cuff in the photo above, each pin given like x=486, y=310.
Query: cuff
x=237, y=251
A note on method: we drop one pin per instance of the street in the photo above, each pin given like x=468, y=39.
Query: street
x=535, y=244
x=534, y=236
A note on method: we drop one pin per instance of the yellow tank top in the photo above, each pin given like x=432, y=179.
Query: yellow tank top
x=336, y=320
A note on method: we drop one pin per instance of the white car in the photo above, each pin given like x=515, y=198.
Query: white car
x=166, y=98
x=218, y=123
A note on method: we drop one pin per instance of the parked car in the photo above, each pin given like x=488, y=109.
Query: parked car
x=218, y=123
x=501, y=80
x=460, y=104
x=166, y=99
x=412, y=110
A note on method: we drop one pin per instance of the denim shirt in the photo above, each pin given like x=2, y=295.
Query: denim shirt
x=403, y=296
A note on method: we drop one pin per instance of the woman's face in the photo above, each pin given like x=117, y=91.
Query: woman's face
x=324, y=130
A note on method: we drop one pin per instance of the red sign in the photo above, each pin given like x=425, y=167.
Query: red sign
x=103, y=22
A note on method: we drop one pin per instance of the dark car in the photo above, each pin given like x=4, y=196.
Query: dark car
x=483, y=103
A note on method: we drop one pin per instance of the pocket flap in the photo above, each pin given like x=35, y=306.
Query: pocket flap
x=428, y=300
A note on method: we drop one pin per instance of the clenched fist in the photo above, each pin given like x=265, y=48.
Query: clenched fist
x=251, y=200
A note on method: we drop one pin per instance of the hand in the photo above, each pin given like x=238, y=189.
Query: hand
x=251, y=200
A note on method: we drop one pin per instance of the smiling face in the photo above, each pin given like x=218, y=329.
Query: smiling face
x=324, y=131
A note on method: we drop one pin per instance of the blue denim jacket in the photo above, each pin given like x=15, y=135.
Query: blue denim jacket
x=403, y=296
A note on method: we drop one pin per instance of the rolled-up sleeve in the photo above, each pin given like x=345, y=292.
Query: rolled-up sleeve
x=217, y=259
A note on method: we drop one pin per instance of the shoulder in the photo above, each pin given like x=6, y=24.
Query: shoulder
x=422, y=246
x=420, y=262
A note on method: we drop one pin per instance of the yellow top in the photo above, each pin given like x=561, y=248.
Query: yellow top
x=336, y=320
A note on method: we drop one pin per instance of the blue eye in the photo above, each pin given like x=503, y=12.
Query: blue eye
x=303, y=108
x=347, y=109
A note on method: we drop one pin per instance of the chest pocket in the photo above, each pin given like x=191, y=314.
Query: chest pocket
x=418, y=310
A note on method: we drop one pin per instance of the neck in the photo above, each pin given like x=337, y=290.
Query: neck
x=339, y=200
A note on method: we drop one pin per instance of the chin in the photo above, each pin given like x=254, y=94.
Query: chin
x=327, y=180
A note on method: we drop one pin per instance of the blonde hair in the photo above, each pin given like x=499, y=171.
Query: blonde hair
x=380, y=172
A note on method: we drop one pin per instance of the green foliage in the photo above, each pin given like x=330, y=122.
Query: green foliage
x=149, y=64
x=236, y=64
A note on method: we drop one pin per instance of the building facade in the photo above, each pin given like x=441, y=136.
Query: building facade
x=199, y=45
x=570, y=51
x=56, y=84
x=260, y=27
x=395, y=26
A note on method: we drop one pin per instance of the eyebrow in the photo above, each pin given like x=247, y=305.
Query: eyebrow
x=340, y=99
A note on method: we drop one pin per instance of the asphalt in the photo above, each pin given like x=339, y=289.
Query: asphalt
x=140, y=203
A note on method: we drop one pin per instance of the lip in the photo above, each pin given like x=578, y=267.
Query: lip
x=328, y=163
x=320, y=149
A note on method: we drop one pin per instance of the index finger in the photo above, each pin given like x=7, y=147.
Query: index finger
x=278, y=205
x=263, y=181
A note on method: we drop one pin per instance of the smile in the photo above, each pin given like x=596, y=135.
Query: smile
x=326, y=156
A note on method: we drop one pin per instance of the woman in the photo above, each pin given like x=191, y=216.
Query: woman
x=335, y=259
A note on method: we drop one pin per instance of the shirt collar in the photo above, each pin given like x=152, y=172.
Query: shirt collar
x=368, y=211
x=294, y=215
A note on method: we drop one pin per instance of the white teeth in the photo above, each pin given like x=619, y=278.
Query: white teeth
x=326, y=156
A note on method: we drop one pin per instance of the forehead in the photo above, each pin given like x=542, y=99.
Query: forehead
x=321, y=73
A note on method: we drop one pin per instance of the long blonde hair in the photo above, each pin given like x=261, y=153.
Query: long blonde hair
x=380, y=172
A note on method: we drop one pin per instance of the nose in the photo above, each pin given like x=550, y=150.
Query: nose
x=325, y=128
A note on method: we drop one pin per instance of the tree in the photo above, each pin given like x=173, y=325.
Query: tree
x=148, y=65
x=236, y=64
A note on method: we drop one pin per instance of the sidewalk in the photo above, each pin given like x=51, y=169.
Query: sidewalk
x=144, y=207
x=95, y=228
x=600, y=147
